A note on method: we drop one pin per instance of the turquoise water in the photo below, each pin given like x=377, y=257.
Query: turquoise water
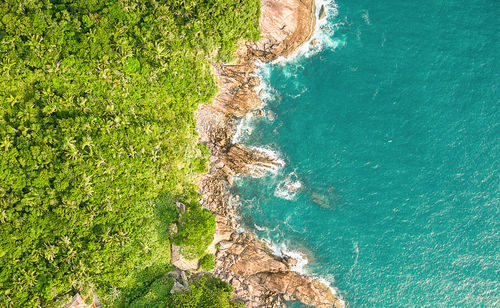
x=392, y=132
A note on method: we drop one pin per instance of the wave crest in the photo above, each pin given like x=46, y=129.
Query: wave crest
x=288, y=187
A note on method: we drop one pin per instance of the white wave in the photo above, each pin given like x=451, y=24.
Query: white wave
x=322, y=36
x=261, y=169
x=260, y=228
x=328, y=282
x=244, y=127
x=356, y=250
x=366, y=17
x=282, y=250
x=288, y=187
x=264, y=89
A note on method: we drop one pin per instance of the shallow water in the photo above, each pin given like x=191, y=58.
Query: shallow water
x=390, y=134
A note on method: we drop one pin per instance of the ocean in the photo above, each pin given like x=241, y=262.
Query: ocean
x=388, y=124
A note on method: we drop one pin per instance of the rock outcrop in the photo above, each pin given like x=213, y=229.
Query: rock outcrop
x=260, y=278
x=257, y=274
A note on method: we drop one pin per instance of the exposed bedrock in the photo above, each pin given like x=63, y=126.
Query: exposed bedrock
x=260, y=278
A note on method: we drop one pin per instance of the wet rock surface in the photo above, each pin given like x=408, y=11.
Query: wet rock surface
x=260, y=278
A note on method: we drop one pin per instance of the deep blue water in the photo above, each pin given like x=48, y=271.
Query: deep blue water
x=394, y=136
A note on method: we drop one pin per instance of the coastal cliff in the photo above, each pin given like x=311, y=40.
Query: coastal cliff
x=259, y=277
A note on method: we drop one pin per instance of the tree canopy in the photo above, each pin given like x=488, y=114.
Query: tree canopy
x=195, y=232
x=97, y=135
x=207, y=291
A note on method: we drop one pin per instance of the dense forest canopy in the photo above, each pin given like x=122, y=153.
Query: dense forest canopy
x=97, y=136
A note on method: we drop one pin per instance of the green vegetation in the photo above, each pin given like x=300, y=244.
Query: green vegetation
x=97, y=139
x=205, y=292
x=156, y=295
x=207, y=263
x=195, y=232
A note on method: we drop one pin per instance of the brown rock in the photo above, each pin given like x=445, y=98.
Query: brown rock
x=259, y=112
x=270, y=115
x=260, y=278
x=227, y=170
x=180, y=262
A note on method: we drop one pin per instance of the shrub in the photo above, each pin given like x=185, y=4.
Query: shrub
x=207, y=263
x=97, y=102
x=207, y=292
x=195, y=232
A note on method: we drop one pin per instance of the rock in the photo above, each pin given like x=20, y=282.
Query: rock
x=319, y=199
x=322, y=12
x=177, y=288
x=225, y=244
x=181, y=206
x=260, y=277
x=324, y=28
x=180, y=262
x=259, y=113
x=227, y=170
x=230, y=180
x=184, y=278
x=236, y=249
x=77, y=302
x=270, y=115
x=176, y=274
x=292, y=285
x=291, y=261
x=173, y=229
x=314, y=42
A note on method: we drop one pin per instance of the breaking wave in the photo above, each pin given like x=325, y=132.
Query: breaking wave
x=288, y=187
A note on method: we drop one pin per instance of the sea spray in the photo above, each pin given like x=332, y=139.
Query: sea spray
x=277, y=162
x=288, y=186
x=398, y=133
x=323, y=35
x=283, y=249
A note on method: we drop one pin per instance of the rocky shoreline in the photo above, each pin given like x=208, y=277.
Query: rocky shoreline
x=260, y=278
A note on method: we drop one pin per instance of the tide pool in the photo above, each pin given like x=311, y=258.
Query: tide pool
x=390, y=134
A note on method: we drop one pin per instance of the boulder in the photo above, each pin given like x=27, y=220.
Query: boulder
x=260, y=278
x=177, y=287
x=322, y=12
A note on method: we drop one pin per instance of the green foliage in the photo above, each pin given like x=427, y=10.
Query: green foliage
x=96, y=121
x=195, y=232
x=207, y=263
x=207, y=292
x=155, y=296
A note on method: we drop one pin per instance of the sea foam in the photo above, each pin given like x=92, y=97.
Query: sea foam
x=289, y=187
x=265, y=168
